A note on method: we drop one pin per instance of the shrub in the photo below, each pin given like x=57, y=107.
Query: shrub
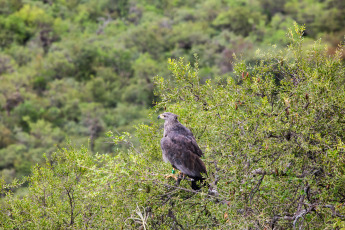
x=272, y=135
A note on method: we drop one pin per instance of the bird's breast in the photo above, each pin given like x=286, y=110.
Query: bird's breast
x=165, y=159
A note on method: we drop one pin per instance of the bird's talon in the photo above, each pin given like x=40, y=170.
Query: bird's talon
x=171, y=175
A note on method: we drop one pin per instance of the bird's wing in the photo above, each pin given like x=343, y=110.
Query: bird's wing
x=184, y=131
x=179, y=151
x=195, y=145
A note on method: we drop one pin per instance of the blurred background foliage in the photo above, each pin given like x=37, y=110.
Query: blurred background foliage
x=76, y=69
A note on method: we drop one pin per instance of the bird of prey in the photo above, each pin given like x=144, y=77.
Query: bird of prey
x=179, y=147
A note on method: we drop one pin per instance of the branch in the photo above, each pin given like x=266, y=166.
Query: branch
x=334, y=212
x=301, y=213
x=293, y=218
x=71, y=203
x=172, y=216
x=209, y=195
x=257, y=186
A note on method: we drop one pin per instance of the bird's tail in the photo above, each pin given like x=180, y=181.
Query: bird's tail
x=197, y=183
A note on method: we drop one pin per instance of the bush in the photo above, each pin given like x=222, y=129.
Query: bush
x=273, y=136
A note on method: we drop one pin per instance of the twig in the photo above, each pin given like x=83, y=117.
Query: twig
x=334, y=212
x=251, y=195
x=172, y=216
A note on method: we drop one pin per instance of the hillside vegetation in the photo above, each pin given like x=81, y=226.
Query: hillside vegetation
x=77, y=69
x=273, y=137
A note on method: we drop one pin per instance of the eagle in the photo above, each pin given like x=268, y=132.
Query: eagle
x=179, y=147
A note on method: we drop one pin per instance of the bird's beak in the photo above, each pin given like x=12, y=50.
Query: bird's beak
x=159, y=116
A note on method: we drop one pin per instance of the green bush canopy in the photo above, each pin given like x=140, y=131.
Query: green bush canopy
x=273, y=136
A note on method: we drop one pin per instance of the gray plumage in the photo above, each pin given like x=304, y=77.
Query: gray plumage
x=179, y=147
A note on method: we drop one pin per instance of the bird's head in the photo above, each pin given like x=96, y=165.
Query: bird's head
x=168, y=116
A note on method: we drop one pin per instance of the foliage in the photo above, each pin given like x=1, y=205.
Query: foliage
x=74, y=189
x=273, y=135
x=85, y=67
x=273, y=138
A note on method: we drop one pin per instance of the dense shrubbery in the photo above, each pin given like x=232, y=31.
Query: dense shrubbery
x=273, y=137
x=80, y=68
